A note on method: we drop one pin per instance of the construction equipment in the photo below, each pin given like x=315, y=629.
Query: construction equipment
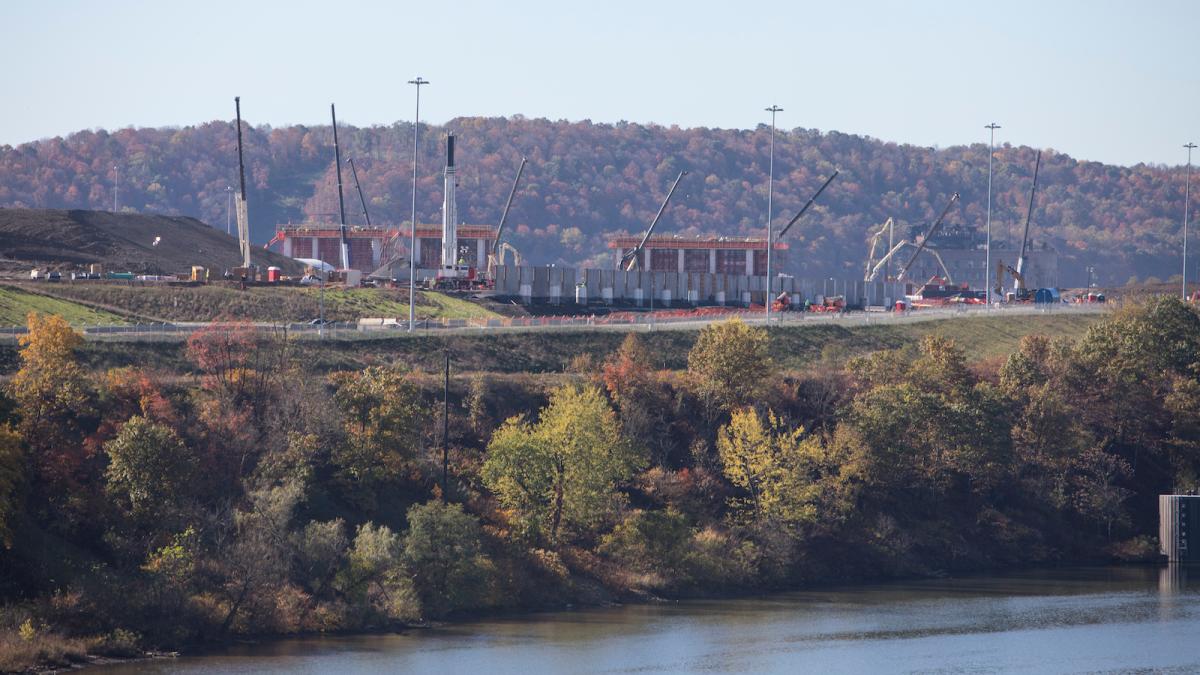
x=501, y=259
x=1019, y=275
x=873, y=274
x=496, y=245
x=1021, y=292
x=811, y=200
x=888, y=227
x=243, y=213
x=928, y=235
x=358, y=186
x=337, y=160
x=629, y=260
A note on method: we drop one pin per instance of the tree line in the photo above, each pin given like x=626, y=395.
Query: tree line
x=247, y=497
x=587, y=181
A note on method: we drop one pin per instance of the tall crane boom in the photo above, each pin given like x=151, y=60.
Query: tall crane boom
x=629, y=260
x=1019, y=277
x=243, y=212
x=337, y=159
x=811, y=200
x=928, y=235
x=358, y=186
x=508, y=205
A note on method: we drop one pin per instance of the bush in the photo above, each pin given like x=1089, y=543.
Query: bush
x=650, y=541
x=443, y=554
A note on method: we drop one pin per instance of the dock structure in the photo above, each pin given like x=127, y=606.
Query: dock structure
x=1178, y=534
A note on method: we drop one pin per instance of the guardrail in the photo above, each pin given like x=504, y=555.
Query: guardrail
x=379, y=328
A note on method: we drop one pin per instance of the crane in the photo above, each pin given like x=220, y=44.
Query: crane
x=888, y=227
x=629, y=260
x=928, y=235
x=1019, y=276
x=873, y=273
x=358, y=186
x=243, y=212
x=337, y=160
x=810, y=202
x=494, y=258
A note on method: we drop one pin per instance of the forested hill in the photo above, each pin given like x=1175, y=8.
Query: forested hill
x=586, y=181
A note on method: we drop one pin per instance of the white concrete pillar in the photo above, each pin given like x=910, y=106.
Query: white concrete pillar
x=646, y=257
x=749, y=262
x=681, y=267
x=316, y=249
x=712, y=261
x=416, y=254
x=481, y=254
x=376, y=252
x=287, y=246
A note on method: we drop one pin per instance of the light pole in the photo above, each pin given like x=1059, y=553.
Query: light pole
x=116, y=181
x=987, y=256
x=228, y=210
x=1187, y=196
x=770, y=194
x=412, y=251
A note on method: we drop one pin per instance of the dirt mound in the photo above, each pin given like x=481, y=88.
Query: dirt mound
x=123, y=242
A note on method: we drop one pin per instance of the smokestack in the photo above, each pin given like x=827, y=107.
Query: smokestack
x=449, y=214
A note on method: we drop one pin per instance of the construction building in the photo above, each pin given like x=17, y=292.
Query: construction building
x=369, y=246
x=963, y=251
x=710, y=255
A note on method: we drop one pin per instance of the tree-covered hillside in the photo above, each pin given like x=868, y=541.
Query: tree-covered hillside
x=586, y=181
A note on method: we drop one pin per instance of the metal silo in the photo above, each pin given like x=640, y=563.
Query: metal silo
x=1179, y=527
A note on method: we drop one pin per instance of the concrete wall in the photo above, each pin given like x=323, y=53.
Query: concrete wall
x=564, y=285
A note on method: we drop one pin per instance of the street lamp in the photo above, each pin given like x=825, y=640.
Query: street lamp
x=412, y=251
x=1187, y=196
x=770, y=194
x=987, y=257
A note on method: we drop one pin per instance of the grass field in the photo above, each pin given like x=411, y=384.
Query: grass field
x=16, y=304
x=283, y=304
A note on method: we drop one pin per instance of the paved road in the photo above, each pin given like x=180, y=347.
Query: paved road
x=622, y=322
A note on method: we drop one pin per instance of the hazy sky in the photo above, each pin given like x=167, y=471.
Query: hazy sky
x=1116, y=82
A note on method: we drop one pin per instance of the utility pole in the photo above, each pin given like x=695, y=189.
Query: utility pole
x=1187, y=197
x=412, y=251
x=445, y=426
x=770, y=194
x=987, y=264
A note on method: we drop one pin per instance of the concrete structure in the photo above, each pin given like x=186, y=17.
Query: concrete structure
x=1179, y=528
x=450, y=253
x=368, y=244
x=566, y=285
x=710, y=255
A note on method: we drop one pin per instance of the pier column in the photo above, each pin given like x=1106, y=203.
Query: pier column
x=749, y=262
x=681, y=265
x=712, y=261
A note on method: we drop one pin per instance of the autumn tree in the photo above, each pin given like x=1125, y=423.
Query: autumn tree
x=772, y=465
x=54, y=403
x=382, y=412
x=643, y=403
x=729, y=364
x=561, y=473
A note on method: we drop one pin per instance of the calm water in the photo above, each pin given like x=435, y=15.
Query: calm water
x=1073, y=621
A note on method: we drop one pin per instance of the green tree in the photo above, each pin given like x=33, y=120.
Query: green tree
x=12, y=460
x=149, y=468
x=443, y=553
x=729, y=364
x=375, y=577
x=562, y=472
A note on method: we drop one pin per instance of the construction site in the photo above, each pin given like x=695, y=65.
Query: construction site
x=935, y=264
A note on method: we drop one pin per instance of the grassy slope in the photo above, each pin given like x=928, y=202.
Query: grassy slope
x=16, y=304
x=548, y=352
x=207, y=303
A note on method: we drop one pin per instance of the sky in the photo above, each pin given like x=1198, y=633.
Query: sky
x=1115, y=82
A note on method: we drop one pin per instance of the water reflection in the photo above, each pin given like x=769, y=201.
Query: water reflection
x=1078, y=620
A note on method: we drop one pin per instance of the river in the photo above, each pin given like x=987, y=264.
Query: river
x=1081, y=620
